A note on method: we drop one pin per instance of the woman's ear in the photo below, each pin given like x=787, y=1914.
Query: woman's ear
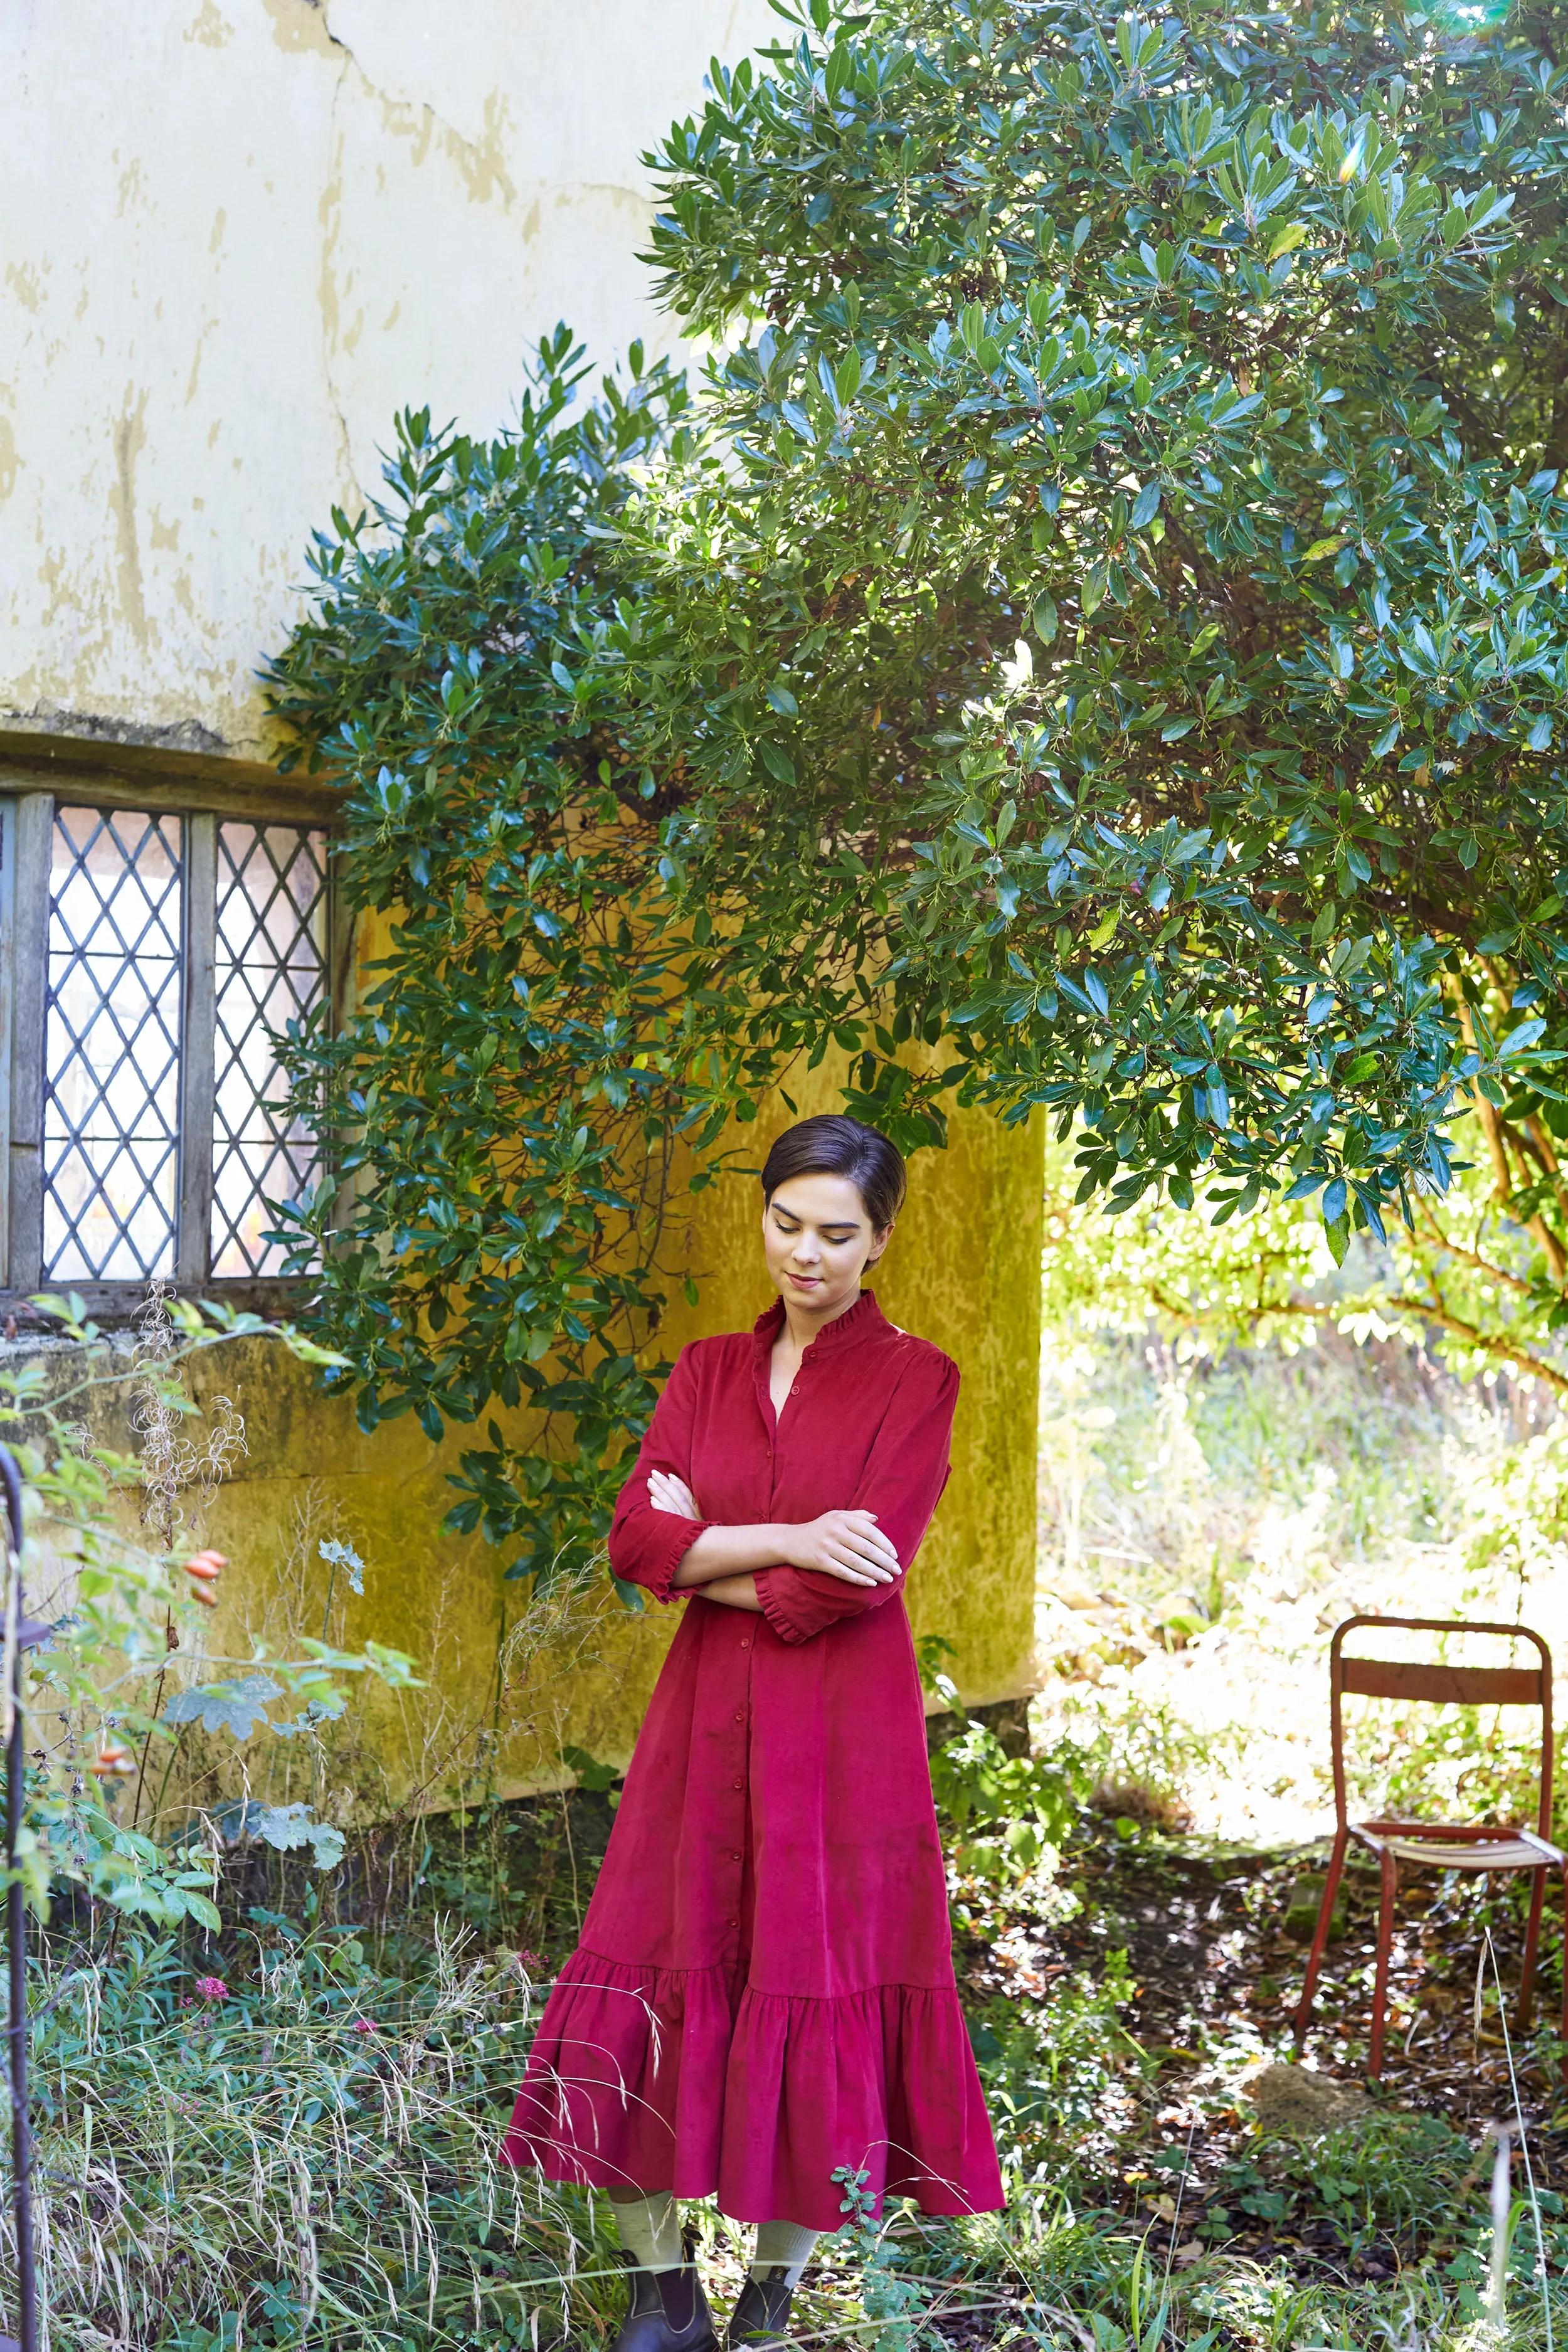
x=878, y=1244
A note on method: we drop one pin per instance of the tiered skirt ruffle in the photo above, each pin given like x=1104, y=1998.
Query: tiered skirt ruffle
x=652, y=2078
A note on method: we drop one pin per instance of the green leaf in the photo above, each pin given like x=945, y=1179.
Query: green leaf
x=1286, y=238
x=239, y=1707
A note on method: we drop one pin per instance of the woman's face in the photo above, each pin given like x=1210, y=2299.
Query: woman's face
x=819, y=1241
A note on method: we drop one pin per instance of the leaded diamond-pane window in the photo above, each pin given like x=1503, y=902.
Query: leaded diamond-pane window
x=111, y=1047
x=149, y=959
x=271, y=968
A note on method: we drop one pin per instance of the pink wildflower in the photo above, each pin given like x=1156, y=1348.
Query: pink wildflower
x=364, y=2025
x=212, y=1989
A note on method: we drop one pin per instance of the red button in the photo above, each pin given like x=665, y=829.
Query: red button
x=739, y=1784
x=747, y=1642
x=732, y=1923
x=740, y=1716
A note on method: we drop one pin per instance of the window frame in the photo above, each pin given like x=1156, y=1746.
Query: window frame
x=38, y=773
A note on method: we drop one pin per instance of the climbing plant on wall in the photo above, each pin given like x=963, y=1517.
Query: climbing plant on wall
x=1103, y=611
x=511, y=1093
x=549, y=1044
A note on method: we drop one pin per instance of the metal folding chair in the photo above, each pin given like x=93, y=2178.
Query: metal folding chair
x=1433, y=1845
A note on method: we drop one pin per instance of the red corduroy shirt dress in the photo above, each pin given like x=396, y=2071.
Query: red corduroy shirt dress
x=764, y=1986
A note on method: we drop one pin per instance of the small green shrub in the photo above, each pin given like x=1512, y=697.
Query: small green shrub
x=1008, y=1814
x=1055, y=2074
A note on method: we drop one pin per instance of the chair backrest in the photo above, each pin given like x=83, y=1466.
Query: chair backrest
x=1426, y=1683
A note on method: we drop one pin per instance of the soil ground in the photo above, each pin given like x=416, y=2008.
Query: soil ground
x=1217, y=1948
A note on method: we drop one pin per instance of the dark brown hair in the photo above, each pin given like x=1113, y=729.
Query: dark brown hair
x=834, y=1145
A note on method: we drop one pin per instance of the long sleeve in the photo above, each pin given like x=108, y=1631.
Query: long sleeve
x=647, y=1546
x=902, y=1484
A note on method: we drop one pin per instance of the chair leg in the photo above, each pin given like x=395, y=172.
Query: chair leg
x=1384, y=1944
x=1532, y=1949
x=1321, y=1936
x=1563, y=2028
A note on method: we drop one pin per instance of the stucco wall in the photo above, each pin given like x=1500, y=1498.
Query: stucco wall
x=236, y=237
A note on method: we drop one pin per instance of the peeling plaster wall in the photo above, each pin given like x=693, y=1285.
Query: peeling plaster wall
x=236, y=237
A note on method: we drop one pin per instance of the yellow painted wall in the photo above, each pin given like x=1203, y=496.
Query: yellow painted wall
x=962, y=1270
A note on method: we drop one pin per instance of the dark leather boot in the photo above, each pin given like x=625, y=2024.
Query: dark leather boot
x=761, y=2316
x=666, y=2311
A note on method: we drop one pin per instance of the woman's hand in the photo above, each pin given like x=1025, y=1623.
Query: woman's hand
x=846, y=1543
x=667, y=1493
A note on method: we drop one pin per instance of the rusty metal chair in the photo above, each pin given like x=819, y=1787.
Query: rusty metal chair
x=1476, y=1846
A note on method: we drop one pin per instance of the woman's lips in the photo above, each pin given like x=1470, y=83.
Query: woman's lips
x=806, y=1281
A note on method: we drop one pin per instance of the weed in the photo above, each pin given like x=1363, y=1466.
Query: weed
x=306, y=2154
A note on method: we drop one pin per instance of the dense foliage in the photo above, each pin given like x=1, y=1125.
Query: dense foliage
x=1104, y=614
x=1135, y=538
x=516, y=1084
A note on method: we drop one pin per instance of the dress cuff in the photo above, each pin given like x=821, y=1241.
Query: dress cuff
x=775, y=1608
x=665, y=1559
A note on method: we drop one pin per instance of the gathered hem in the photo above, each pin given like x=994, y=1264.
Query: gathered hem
x=682, y=2079
x=773, y=1610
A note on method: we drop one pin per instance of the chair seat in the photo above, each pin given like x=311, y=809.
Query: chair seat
x=1505, y=1851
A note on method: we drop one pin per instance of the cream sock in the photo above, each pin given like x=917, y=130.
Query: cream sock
x=650, y=2231
x=783, y=2246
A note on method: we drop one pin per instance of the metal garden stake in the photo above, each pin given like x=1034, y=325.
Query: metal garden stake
x=28, y=1633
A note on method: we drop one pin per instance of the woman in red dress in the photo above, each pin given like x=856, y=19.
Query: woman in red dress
x=763, y=1992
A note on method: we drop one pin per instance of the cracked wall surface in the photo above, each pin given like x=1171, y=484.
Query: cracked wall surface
x=236, y=237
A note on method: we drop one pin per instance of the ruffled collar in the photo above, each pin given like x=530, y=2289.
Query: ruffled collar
x=854, y=1323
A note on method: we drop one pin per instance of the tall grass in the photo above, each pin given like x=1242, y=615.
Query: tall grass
x=302, y=2154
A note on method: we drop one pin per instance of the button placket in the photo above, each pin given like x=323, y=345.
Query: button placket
x=734, y=1857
